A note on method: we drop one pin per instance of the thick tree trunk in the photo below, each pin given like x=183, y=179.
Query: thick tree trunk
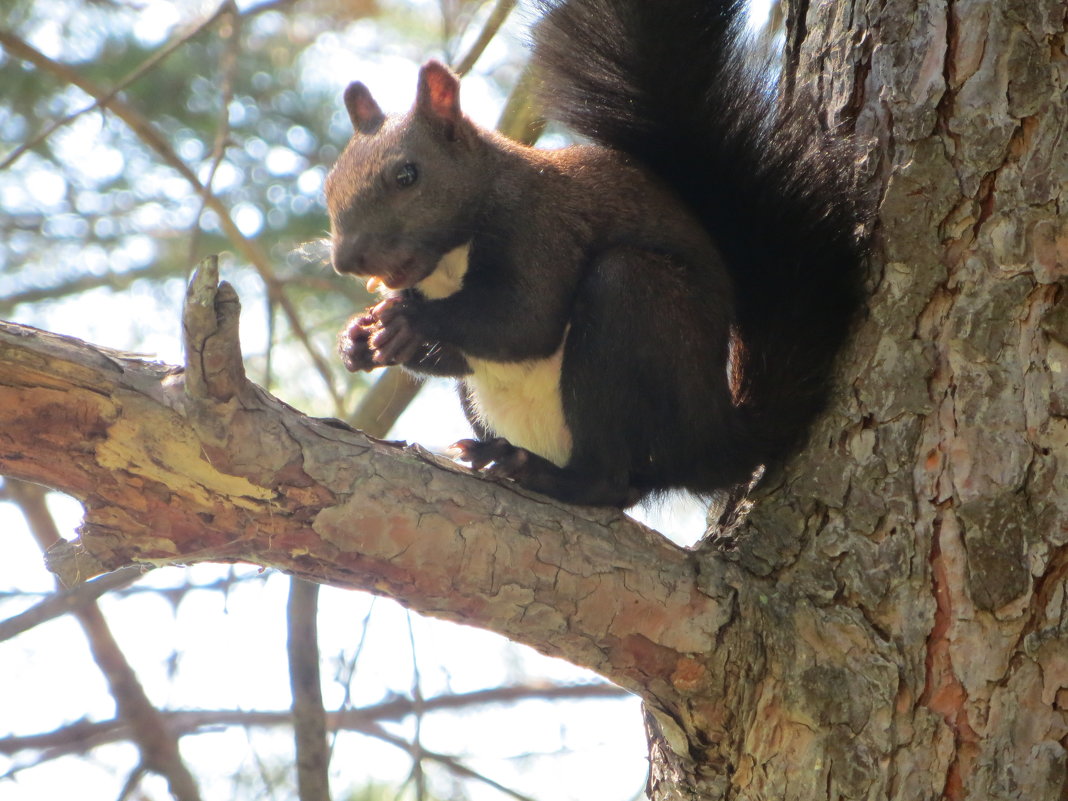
x=900, y=617
x=890, y=620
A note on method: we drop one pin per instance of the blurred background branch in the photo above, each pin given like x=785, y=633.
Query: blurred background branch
x=156, y=742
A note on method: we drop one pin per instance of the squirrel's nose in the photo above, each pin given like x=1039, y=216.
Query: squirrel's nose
x=349, y=253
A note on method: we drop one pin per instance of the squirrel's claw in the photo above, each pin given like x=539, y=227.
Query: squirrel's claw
x=395, y=339
x=354, y=345
x=506, y=459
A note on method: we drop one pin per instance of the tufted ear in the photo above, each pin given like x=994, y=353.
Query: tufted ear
x=438, y=96
x=364, y=112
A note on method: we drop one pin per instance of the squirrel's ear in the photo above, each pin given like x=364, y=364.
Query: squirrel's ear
x=438, y=95
x=364, y=112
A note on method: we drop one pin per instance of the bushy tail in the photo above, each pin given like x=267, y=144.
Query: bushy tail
x=666, y=82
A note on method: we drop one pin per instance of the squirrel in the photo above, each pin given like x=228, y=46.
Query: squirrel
x=657, y=309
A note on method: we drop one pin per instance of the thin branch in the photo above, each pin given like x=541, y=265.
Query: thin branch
x=132, y=781
x=173, y=595
x=82, y=736
x=350, y=668
x=309, y=717
x=79, y=737
x=268, y=5
x=83, y=283
x=493, y=24
x=385, y=401
x=272, y=337
x=227, y=67
x=138, y=72
x=141, y=70
x=65, y=601
x=417, y=776
x=418, y=752
x=521, y=118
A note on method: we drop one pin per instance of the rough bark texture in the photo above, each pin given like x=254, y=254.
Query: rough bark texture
x=900, y=628
x=889, y=622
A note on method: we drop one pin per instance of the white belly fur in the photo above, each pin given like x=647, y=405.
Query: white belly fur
x=519, y=401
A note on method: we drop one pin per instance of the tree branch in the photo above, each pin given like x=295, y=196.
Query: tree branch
x=80, y=736
x=493, y=24
x=139, y=72
x=178, y=467
x=66, y=601
x=309, y=716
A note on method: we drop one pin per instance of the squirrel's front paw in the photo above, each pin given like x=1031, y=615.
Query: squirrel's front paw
x=354, y=343
x=395, y=339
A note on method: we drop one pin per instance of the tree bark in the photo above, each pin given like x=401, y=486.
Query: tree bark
x=889, y=621
x=904, y=597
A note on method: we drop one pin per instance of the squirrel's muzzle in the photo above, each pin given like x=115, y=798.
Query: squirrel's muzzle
x=395, y=265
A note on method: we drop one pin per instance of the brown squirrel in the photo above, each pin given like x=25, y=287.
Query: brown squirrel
x=659, y=309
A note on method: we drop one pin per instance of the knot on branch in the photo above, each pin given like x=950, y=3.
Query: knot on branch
x=213, y=365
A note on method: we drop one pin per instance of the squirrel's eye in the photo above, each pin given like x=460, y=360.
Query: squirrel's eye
x=407, y=174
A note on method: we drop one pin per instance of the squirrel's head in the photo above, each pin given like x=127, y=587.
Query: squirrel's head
x=405, y=189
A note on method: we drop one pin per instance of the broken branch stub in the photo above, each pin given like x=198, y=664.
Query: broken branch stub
x=213, y=364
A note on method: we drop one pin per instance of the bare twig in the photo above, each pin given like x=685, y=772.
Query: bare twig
x=493, y=24
x=66, y=601
x=309, y=717
x=350, y=668
x=521, y=118
x=82, y=735
x=419, y=708
x=227, y=66
x=83, y=283
x=141, y=70
x=173, y=595
x=138, y=72
x=385, y=401
x=418, y=752
x=132, y=781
